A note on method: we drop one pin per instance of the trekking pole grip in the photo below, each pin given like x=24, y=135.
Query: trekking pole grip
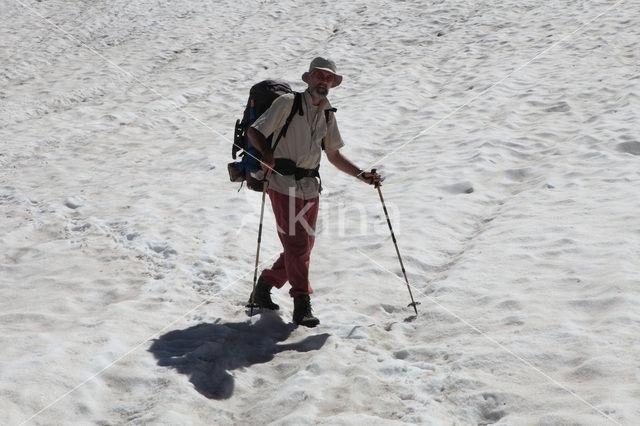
x=376, y=185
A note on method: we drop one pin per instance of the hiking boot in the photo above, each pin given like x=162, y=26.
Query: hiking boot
x=262, y=298
x=302, y=313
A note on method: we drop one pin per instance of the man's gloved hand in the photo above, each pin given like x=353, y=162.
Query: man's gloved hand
x=370, y=178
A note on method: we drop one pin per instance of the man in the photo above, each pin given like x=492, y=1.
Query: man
x=294, y=187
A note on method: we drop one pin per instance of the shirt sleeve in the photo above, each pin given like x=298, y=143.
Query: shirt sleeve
x=274, y=118
x=333, y=140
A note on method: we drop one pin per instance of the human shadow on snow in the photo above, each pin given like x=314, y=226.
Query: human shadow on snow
x=207, y=352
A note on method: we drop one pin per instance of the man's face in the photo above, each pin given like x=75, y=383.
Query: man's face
x=321, y=82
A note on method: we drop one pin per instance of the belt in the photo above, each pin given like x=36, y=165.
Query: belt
x=284, y=166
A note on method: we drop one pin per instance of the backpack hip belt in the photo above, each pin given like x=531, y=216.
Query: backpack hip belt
x=288, y=167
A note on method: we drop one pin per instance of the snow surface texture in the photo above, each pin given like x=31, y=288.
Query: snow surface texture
x=509, y=135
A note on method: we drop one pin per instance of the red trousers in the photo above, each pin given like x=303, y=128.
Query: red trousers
x=296, y=220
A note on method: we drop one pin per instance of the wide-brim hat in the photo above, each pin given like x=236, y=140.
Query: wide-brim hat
x=325, y=65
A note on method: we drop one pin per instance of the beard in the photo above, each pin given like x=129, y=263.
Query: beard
x=319, y=91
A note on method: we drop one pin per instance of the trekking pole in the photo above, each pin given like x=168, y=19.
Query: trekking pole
x=393, y=237
x=255, y=271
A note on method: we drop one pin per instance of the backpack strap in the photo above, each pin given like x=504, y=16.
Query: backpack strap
x=327, y=112
x=297, y=107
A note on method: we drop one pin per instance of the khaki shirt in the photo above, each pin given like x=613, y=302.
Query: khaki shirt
x=303, y=142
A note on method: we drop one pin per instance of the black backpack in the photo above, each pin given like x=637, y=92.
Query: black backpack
x=261, y=96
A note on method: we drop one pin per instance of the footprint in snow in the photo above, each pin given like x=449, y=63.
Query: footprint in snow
x=632, y=147
x=458, y=188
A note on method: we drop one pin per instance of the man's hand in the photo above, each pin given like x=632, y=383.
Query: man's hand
x=370, y=178
x=267, y=162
